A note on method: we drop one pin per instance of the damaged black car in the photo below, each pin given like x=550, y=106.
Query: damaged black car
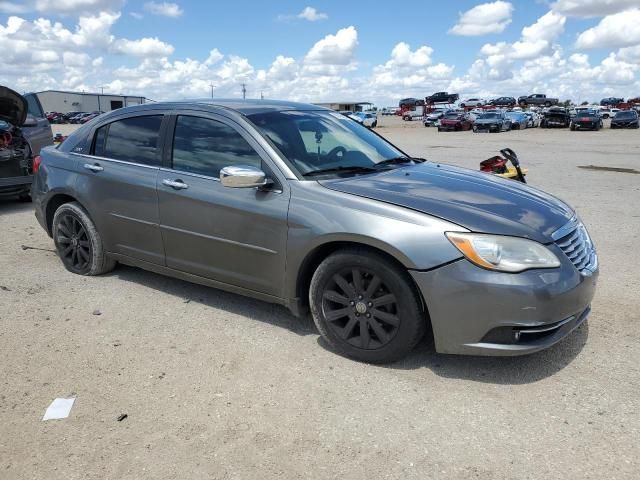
x=626, y=119
x=555, y=117
x=17, y=126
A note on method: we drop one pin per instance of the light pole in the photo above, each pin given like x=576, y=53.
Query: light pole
x=212, y=87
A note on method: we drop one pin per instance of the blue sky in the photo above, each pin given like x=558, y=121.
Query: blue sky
x=327, y=49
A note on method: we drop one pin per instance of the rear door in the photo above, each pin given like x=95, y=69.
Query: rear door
x=37, y=130
x=117, y=184
x=232, y=235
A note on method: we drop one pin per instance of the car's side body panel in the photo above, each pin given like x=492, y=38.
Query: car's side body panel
x=232, y=235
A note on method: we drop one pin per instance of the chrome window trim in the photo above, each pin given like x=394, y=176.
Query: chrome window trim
x=189, y=174
x=106, y=159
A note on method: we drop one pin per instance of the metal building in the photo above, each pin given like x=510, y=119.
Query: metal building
x=346, y=106
x=63, y=102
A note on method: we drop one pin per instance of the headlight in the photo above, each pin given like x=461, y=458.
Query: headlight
x=504, y=254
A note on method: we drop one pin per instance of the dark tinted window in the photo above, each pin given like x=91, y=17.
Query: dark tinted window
x=133, y=139
x=98, y=146
x=34, y=106
x=205, y=146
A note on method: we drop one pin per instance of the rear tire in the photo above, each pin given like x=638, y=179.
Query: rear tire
x=78, y=243
x=366, y=307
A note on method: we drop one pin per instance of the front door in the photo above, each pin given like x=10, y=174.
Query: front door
x=232, y=235
x=117, y=184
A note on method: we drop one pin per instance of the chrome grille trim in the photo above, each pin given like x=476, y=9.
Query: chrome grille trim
x=576, y=244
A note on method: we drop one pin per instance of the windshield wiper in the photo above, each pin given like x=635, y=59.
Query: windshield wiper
x=399, y=161
x=340, y=169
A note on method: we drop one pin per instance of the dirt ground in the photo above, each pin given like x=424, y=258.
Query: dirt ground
x=219, y=386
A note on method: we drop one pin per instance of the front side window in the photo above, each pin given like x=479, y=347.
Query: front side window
x=205, y=146
x=133, y=139
x=318, y=140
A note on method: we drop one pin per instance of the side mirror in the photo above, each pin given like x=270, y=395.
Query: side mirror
x=242, y=176
x=30, y=121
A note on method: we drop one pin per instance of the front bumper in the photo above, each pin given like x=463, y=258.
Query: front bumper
x=486, y=127
x=632, y=124
x=585, y=125
x=479, y=312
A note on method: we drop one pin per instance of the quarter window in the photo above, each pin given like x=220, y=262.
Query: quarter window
x=205, y=146
x=133, y=139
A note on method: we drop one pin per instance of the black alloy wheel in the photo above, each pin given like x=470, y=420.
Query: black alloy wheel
x=78, y=242
x=73, y=243
x=366, y=306
x=360, y=308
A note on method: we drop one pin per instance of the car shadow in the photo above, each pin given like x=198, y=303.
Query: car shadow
x=496, y=370
x=12, y=205
x=270, y=313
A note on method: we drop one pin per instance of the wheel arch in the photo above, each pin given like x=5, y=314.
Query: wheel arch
x=53, y=204
x=315, y=257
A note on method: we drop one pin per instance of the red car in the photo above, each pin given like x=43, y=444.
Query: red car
x=455, y=122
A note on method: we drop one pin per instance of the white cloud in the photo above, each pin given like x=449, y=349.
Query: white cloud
x=483, y=19
x=144, y=47
x=630, y=54
x=312, y=15
x=165, y=9
x=335, y=49
x=409, y=69
x=136, y=15
x=617, y=30
x=592, y=8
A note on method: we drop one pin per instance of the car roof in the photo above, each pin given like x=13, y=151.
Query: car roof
x=245, y=107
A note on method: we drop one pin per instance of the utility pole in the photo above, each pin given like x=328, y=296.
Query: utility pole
x=212, y=87
x=261, y=95
x=101, y=90
x=244, y=91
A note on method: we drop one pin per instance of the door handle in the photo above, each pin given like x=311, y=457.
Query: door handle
x=175, y=184
x=93, y=167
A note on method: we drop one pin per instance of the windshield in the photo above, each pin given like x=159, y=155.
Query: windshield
x=452, y=116
x=489, y=115
x=321, y=140
x=626, y=115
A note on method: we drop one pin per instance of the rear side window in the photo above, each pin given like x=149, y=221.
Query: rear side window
x=205, y=146
x=133, y=139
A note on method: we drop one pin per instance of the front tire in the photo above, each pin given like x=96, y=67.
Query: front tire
x=366, y=307
x=78, y=243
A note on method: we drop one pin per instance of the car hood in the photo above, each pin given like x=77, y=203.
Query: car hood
x=13, y=106
x=480, y=202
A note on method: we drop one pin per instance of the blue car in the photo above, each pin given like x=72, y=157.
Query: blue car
x=519, y=121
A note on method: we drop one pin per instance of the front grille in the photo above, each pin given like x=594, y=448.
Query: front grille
x=578, y=248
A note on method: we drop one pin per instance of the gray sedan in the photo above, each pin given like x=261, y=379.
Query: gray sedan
x=298, y=205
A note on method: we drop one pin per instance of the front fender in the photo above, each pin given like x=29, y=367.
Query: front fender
x=319, y=216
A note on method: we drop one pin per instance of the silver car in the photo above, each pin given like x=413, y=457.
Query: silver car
x=298, y=205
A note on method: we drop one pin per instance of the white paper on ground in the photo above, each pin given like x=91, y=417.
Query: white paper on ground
x=59, y=408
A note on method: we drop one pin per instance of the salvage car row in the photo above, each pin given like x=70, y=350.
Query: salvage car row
x=505, y=120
